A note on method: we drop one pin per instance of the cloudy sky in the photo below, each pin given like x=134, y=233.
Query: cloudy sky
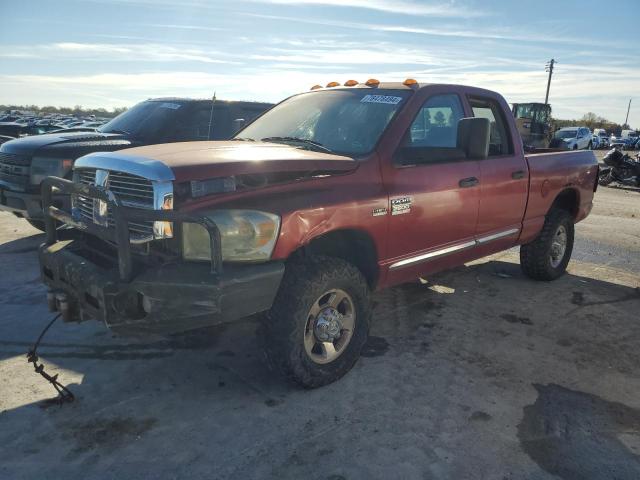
x=117, y=52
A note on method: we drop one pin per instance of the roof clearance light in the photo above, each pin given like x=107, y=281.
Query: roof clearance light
x=333, y=84
x=372, y=82
x=410, y=82
x=350, y=83
x=316, y=87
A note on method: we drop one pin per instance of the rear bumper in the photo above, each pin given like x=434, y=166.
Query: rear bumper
x=29, y=205
x=167, y=299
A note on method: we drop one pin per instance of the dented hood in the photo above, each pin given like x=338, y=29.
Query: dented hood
x=202, y=160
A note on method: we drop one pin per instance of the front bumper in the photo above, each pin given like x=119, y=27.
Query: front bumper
x=167, y=299
x=29, y=205
x=132, y=296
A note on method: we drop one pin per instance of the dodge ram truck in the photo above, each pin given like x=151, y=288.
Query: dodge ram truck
x=25, y=162
x=327, y=197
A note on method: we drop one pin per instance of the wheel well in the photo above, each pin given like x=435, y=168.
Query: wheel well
x=353, y=246
x=567, y=200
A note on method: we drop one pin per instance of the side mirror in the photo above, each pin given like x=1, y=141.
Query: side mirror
x=473, y=137
x=238, y=123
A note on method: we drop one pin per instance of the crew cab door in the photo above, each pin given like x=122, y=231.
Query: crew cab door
x=504, y=177
x=433, y=191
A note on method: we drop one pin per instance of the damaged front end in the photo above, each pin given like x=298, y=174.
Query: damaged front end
x=99, y=271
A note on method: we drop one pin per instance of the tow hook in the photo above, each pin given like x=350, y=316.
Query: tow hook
x=59, y=302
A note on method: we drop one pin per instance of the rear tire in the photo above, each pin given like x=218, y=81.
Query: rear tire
x=302, y=314
x=546, y=257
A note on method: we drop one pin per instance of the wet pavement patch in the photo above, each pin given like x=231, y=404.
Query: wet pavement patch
x=479, y=416
x=577, y=298
x=511, y=318
x=108, y=433
x=578, y=436
x=375, y=347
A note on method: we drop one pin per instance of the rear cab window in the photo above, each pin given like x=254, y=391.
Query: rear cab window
x=499, y=140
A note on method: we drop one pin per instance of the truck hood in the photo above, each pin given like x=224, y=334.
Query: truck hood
x=70, y=144
x=203, y=160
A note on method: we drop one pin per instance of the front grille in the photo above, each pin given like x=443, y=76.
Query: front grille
x=14, y=170
x=130, y=190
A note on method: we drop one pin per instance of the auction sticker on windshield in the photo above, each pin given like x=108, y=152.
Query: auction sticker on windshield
x=389, y=99
x=172, y=106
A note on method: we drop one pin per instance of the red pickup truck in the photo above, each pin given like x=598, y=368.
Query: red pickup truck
x=330, y=195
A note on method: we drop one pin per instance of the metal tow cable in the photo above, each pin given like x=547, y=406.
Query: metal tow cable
x=64, y=394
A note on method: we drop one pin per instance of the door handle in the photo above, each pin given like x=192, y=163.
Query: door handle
x=468, y=182
x=518, y=174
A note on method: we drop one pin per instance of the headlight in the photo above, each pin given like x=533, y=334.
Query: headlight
x=246, y=236
x=43, y=167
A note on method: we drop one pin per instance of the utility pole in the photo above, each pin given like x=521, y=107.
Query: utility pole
x=626, y=120
x=549, y=68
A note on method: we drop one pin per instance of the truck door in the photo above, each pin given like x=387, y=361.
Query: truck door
x=504, y=177
x=433, y=192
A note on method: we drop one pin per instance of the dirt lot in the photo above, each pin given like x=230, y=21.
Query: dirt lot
x=479, y=374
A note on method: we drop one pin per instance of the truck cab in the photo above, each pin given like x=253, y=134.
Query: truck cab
x=330, y=195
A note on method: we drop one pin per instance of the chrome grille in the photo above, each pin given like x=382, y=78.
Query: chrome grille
x=130, y=190
x=14, y=169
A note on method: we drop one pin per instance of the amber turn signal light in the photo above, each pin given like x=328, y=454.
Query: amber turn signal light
x=333, y=84
x=409, y=82
x=372, y=82
x=316, y=87
x=350, y=83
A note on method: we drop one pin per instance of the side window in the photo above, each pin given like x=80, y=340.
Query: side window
x=499, y=141
x=433, y=134
x=196, y=125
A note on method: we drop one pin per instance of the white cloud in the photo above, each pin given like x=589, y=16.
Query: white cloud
x=104, y=52
x=405, y=7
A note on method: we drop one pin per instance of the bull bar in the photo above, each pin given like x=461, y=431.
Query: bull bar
x=122, y=215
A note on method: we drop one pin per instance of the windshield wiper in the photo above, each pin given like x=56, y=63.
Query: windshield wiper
x=242, y=139
x=305, y=141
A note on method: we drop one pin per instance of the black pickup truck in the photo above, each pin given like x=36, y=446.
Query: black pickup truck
x=25, y=162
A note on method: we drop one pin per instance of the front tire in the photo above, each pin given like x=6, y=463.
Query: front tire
x=546, y=257
x=319, y=321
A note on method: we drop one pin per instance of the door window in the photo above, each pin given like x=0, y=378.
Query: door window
x=433, y=134
x=499, y=141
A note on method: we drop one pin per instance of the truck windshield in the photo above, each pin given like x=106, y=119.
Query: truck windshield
x=347, y=122
x=566, y=134
x=146, y=120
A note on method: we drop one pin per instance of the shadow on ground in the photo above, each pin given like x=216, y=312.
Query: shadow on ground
x=441, y=389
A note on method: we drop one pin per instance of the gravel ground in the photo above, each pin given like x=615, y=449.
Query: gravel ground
x=478, y=374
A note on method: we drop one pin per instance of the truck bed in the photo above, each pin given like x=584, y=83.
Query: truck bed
x=572, y=174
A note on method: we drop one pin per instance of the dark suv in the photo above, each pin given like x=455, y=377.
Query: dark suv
x=25, y=162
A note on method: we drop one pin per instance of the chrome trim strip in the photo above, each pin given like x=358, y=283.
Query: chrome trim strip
x=148, y=168
x=496, y=236
x=435, y=253
x=453, y=248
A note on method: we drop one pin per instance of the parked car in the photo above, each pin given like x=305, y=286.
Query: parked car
x=617, y=142
x=24, y=163
x=17, y=130
x=330, y=195
x=575, y=138
x=603, y=136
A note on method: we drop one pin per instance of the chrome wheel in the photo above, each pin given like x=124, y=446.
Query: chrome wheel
x=558, y=246
x=329, y=328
